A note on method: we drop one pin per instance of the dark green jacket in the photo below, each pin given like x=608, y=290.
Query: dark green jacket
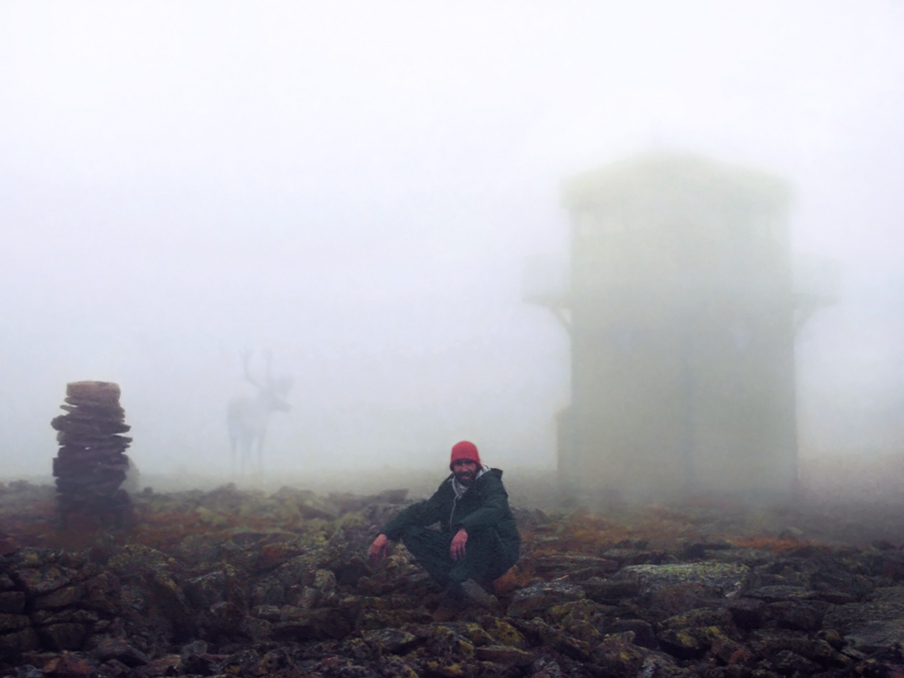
x=484, y=505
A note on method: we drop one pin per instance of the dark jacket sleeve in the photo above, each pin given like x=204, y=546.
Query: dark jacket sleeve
x=493, y=509
x=422, y=513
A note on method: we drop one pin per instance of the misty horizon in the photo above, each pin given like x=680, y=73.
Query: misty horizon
x=359, y=190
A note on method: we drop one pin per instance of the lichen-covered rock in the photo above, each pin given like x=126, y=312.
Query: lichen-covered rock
x=42, y=579
x=68, y=665
x=12, y=602
x=285, y=585
x=503, y=633
x=445, y=643
x=248, y=586
x=886, y=603
x=693, y=642
x=618, y=657
x=702, y=617
x=224, y=584
x=397, y=668
x=805, y=615
x=223, y=618
x=505, y=655
x=769, y=642
x=169, y=665
x=576, y=566
x=135, y=558
x=15, y=643
x=714, y=578
x=537, y=598
x=391, y=640
x=13, y=622
x=560, y=641
x=610, y=591
x=546, y=667
x=378, y=619
x=313, y=625
x=69, y=615
x=62, y=636
x=107, y=648
x=63, y=597
x=641, y=630
x=102, y=593
x=583, y=619
x=779, y=592
x=873, y=625
x=168, y=597
x=787, y=662
x=747, y=613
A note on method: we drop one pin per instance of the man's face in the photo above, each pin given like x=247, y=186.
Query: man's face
x=465, y=471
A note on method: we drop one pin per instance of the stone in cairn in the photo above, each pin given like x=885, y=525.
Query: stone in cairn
x=91, y=463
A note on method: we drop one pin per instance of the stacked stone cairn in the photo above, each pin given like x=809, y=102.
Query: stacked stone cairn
x=91, y=463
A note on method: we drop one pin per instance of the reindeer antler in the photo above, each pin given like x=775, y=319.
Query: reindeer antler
x=268, y=364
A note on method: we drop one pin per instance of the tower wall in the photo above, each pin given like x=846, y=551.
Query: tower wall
x=682, y=331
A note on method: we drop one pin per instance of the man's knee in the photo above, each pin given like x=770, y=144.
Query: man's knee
x=502, y=564
x=422, y=541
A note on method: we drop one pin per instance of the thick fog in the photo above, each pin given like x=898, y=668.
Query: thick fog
x=358, y=187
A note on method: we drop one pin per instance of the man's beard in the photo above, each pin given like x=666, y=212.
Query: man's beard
x=465, y=477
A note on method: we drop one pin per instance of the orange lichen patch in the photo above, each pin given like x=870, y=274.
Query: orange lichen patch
x=31, y=527
x=516, y=578
x=740, y=656
x=272, y=555
x=662, y=519
x=661, y=526
x=166, y=529
x=68, y=664
x=582, y=533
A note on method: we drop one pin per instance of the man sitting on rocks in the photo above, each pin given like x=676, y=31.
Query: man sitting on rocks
x=477, y=542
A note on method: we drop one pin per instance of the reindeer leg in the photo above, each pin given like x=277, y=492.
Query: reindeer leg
x=260, y=454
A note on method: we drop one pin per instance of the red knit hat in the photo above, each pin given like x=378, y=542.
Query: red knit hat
x=464, y=450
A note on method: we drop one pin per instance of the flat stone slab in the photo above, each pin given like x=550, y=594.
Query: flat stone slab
x=721, y=579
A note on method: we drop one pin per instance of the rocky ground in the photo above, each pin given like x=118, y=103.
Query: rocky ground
x=251, y=583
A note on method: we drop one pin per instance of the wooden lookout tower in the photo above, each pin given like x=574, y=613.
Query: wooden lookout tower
x=681, y=311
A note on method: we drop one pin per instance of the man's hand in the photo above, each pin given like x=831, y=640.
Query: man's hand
x=379, y=548
x=458, y=544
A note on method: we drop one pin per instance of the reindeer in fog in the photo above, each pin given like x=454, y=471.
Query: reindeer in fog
x=247, y=416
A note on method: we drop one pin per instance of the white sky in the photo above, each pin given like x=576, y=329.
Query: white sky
x=357, y=186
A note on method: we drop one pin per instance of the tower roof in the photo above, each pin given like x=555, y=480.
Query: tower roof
x=676, y=179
